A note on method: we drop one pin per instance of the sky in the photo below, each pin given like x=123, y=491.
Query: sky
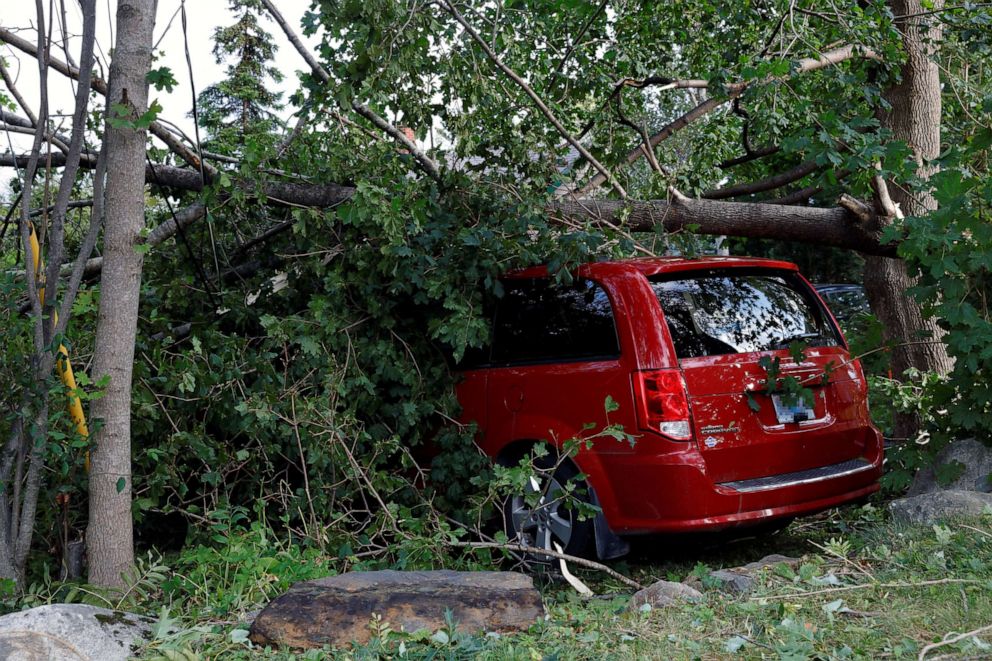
x=203, y=16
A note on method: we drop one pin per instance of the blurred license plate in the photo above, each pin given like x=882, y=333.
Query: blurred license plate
x=794, y=411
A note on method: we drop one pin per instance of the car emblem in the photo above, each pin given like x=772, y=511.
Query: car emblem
x=711, y=441
x=731, y=428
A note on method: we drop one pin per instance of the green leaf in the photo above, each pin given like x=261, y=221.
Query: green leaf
x=121, y=483
x=162, y=79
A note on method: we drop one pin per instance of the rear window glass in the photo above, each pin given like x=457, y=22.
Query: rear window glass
x=720, y=313
x=538, y=321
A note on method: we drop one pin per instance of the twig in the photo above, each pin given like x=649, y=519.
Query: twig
x=978, y=530
x=100, y=85
x=303, y=459
x=575, y=42
x=582, y=562
x=842, y=558
x=863, y=586
x=952, y=640
x=512, y=75
x=426, y=162
x=733, y=90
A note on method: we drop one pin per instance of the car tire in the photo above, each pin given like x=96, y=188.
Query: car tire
x=552, y=519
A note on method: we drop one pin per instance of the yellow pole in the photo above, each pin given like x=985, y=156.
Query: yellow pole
x=64, y=366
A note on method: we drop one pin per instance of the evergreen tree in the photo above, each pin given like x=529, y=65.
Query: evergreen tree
x=242, y=108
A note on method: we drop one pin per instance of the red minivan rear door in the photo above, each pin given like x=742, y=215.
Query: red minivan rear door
x=738, y=333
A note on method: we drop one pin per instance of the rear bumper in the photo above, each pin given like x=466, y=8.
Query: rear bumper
x=670, y=494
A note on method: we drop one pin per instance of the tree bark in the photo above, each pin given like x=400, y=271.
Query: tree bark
x=826, y=227
x=109, y=537
x=915, y=117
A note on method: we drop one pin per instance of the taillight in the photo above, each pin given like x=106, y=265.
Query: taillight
x=662, y=405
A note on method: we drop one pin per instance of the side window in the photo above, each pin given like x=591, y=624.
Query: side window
x=537, y=321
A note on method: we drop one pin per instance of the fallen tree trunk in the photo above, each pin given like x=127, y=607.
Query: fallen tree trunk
x=836, y=226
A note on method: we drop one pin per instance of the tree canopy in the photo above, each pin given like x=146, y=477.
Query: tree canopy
x=308, y=286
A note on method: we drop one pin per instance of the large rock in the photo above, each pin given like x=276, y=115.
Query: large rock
x=662, y=594
x=71, y=632
x=932, y=507
x=976, y=459
x=338, y=610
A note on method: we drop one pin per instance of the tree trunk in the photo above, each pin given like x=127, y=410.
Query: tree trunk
x=914, y=117
x=109, y=536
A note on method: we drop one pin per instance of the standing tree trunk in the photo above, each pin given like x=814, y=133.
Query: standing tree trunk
x=109, y=536
x=914, y=117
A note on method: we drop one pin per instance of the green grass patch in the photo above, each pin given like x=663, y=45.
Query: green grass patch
x=865, y=588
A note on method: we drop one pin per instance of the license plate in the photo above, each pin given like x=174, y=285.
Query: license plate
x=794, y=412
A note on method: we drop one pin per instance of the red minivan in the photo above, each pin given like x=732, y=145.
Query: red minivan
x=683, y=349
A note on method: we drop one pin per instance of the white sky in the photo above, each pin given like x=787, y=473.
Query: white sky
x=203, y=16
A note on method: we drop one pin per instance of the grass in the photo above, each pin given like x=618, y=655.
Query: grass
x=865, y=588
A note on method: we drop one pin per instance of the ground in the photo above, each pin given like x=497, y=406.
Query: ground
x=866, y=588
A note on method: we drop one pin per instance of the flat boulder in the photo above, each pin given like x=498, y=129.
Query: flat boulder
x=338, y=610
x=71, y=632
x=938, y=505
x=973, y=460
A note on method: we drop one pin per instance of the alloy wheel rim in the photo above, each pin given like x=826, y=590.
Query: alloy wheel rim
x=546, y=523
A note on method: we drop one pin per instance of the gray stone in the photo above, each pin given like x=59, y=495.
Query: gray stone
x=938, y=505
x=770, y=561
x=71, y=632
x=733, y=580
x=664, y=593
x=337, y=610
x=739, y=580
x=970, y=453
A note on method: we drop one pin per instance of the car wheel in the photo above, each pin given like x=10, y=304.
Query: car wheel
x=545, y=514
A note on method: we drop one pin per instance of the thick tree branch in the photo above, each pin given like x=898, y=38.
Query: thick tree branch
x=279, y=193
x=882, y=196
x=834, y=227
x=828, y=227
x=796, y=197
x=752, y=156
x=771, y=183
x=856, y=207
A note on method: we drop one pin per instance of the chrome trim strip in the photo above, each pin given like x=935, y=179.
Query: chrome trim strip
x=808, y=476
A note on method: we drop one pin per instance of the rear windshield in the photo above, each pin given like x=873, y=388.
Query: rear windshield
x=719, y=313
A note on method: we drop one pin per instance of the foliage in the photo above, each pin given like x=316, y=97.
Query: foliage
x=241, y=108
x=951, y=253
x=296, y=365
